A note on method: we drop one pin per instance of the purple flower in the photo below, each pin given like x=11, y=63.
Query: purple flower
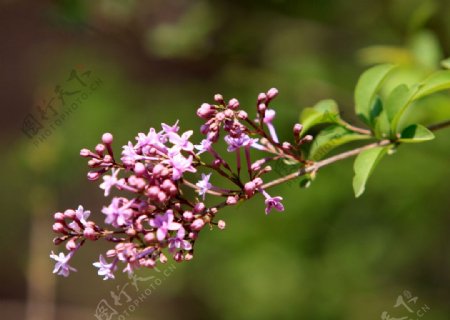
x=205, y=145
x=204, y=185
x=118, y=213
x=242, y=141
x=178, y=242
x=129, y=154
x=62, y=263
x=180, y=164
x=151, y=140
x=168, y=129
x=164, y=223
x=105, y=269
x=274, y=203
x=82, y=215
x=110, y=181
x=268, y=118
x=181, y=141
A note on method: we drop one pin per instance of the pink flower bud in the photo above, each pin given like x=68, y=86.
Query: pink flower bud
x=188, y=216
x=162, y=196
x=139, y=169
x=249, y=188
x=258, y=182
x=107, y=138
x=89, y=233
x=58, y=227
x=262, y=107
x=269, y=116
x=233, y=104
x=59, y=216
x=206, y=111
x=228, y=113
x=197, y=224
x=153, y=192
x=219, y=98
x=150, y=237
x=93, y=175
x=231, y=200
x=193, y=235
x=71, y=245
x=85, y=153
x=199, y=207
x=100, y=149
x=272, y=93
x=188, y=256
x=70, y=214
x=242, y=115
x=162, y=258
x=221, y=224
x=219, y=116
x=297, y=129
x=262, y=97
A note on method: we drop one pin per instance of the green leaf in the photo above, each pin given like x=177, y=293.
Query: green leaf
x=438, y=81
x=366, y=90
x=397, y=103
x=416, y=133
x=330, y=138
x=325, y=111
x=364, y=165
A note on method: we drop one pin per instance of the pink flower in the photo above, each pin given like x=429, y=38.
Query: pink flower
x=181, y=141
x=168, y=129
x=178, y=242
x=105, y=269
x=62, y=263
x=274, y=203
x=118, y=213
x=180, y=164
x=204, y=185
x=110, y=181
x=82, y=215
x=164, y=223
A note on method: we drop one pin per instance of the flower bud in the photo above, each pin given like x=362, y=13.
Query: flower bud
x=70, y=214
x=89, y=233
x=71, y=245
x=93, y=175
x=59, y=217
x=272, y=93
x=219, y=98
x=249, y=188
x=221, y=224
x=233, y=104
x=206, y=111
x=197, y=224
x=107, y=138
x=58, y=227
x=85, y=153
x=139, y=169
x=231, y=200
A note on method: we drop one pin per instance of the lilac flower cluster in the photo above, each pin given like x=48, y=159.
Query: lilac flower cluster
x=158, y=217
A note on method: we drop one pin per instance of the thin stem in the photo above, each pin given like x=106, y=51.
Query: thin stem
x=317, y=165
x=440, y=125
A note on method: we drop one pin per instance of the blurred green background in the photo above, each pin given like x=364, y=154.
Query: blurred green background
x=328, y=256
